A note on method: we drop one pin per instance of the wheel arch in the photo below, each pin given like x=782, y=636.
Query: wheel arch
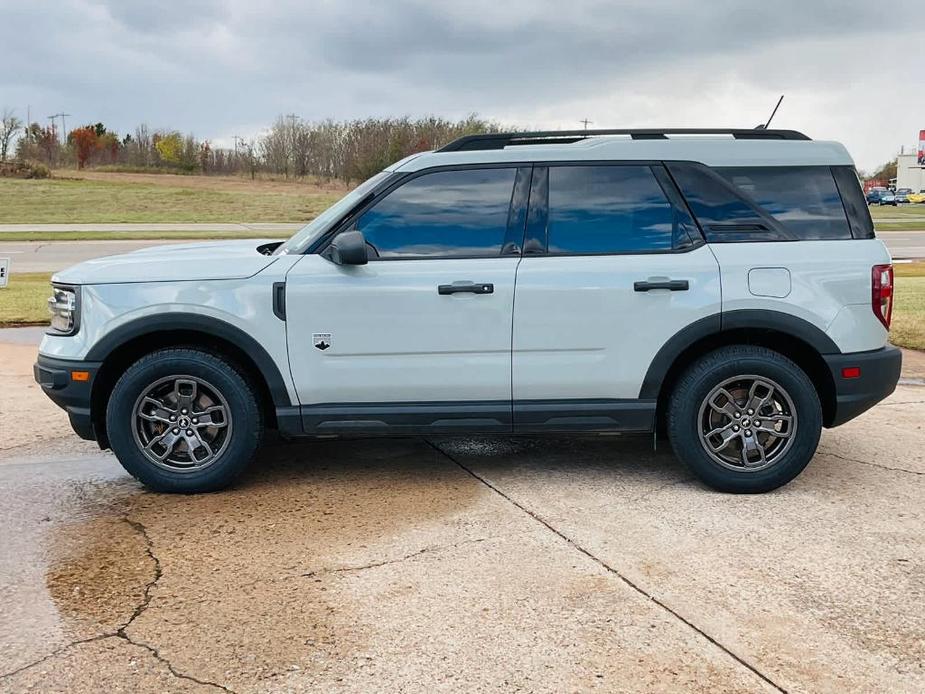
x=129, y=342
x=794, y=337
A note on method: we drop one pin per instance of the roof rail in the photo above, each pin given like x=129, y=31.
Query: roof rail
x=565, y=137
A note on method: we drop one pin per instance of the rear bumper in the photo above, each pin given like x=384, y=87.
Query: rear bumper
x=54, y=376
x=879, y=373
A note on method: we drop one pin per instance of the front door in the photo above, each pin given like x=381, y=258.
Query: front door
x=419, y=339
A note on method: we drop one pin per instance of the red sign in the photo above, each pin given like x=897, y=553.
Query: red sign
x=921, y=156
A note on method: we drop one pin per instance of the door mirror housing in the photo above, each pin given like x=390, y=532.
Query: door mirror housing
x=349, y=248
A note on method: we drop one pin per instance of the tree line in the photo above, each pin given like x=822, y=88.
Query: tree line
x=292, y=147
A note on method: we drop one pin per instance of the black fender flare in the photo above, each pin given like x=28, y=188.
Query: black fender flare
x=205, y=325
x=718, y=323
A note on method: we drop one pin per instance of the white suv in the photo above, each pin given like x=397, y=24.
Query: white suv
x=722, y=286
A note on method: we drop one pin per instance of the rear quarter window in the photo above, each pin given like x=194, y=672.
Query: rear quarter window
x=804, y=199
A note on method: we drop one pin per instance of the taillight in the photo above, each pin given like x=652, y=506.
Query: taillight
x=882, y=293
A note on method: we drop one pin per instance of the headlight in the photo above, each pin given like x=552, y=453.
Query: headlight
x=64, y=306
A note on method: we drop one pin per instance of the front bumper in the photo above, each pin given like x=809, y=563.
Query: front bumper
x=878, y=375
x=56, y=377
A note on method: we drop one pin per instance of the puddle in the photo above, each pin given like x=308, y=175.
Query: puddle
x=98, y=573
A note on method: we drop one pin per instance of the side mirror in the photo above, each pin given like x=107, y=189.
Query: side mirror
x=349, y=248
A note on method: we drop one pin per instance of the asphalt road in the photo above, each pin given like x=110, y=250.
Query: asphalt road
x=465, y=564
x=48, y=256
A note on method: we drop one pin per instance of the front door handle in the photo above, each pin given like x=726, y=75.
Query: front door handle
x=470, y=287
x=671, y=285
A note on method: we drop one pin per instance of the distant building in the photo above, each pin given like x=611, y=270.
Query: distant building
x=910, y=168
x=909, y=173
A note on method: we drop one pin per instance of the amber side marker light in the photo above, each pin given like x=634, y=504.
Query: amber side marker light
x=851, y=372
x=80, y=375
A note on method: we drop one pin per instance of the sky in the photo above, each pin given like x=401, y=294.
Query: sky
x=850, y=71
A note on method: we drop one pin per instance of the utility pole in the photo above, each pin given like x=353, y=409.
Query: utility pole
x=63, y=125
x=586, y=122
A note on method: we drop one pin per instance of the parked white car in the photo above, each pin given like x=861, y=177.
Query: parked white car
x=723, y=287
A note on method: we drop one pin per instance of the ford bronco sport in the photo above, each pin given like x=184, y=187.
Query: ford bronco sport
x=722, y=286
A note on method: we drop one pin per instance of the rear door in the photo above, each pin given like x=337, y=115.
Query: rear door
x=613, y=267
x=419, y=339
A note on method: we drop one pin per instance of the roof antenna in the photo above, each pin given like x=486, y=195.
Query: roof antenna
x=764, y=126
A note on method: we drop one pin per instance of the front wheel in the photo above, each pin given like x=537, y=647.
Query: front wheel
x=745, y=419
x=183, y=420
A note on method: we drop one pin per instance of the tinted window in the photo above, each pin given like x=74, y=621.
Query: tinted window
x=802, y=198
x=721, y=211
x=846, y=178
x=444, y=214
x=610, y=209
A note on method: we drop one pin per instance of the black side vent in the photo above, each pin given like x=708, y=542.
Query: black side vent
x=279, y=300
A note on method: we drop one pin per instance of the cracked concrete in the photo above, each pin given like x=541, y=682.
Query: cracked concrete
x=467, y=565
x=598, y=560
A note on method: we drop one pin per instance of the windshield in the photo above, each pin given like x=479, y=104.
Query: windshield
x=311, y=231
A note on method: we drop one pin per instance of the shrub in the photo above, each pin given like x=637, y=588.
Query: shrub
x=24, y=169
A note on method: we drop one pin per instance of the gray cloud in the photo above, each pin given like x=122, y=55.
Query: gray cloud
x=222, y=68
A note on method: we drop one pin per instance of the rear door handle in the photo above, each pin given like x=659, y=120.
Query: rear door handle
x=671, y=285
x=470, y=287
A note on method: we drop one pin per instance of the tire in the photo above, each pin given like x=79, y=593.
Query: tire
x=698, y=409
x=223, y=420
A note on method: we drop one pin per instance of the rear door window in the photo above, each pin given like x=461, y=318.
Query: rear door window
x=609, y=210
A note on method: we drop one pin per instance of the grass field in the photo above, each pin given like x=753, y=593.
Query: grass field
x=99, y=197
x=93, y=197
x=908, y=329
x=899, y=218
x=23, y=303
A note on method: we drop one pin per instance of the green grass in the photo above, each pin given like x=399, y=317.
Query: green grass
x=120, y=198
x=24, y=300
x=899, y=226
x=912, y=217
x=908, y=210
x=19, y=236
x=908, y=329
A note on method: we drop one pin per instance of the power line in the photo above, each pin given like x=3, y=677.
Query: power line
x=586, y=122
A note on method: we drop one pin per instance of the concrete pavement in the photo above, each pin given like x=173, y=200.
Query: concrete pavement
x=52, y=256
x=262, y=227
x=904, y=244
x=460, y=565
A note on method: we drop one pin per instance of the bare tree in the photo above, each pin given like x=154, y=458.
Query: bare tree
x=143, y=145
x=9, y=126
x=247, y=153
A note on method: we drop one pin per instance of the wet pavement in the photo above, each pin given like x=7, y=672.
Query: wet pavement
x=464, y=565
x=541, y=565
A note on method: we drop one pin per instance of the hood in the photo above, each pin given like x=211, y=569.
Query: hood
x=212, y=260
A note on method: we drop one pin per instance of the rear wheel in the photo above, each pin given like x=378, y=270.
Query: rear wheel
x=183, y=420
x=745, y=419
